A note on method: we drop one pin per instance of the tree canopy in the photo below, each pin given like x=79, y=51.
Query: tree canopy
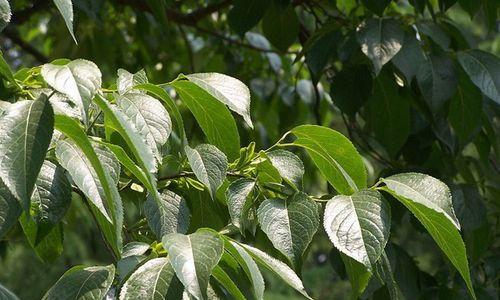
x=232, y=149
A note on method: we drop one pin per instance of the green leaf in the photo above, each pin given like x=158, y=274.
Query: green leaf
x=483, y=69
x=213, y=117
x=281, y=25
x=5, y=294
x=437, y=80
x=51, y=197
x=239, y=202
x=228, y=90
x=227, y=282
x=377, y=6
x=249, y=266
x=25, y=131
x=82, y=282
x=65, y=7
x=48, y=246
x=127, y=81
x=149, y=117
x=358, y=274
x=411, y=56
x=5, y=70
x=278, y=268
x=424, y=190
x=108, y=159
x=79, y=158
x=359, y=225
x=10, y=209
x=79, y=80
x=380, y=39
x=124, y=126
x=288, y=165
x=430, y=201
x=129, y=164
x=244, y=15
x=153, y=280
x=194, y=257
x=5, y=14
x=334, y=155
x=351, y=88
x=209, y=165
x=290, y=224
x=388, y=114
x=465, y=110
x=172, y=108
x=168, y=214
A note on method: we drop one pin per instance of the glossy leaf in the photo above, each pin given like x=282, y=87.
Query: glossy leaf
x=193, y=258
x=5, y=14
x=288, y=165
x=127, y=130
x=153, y=280
x=430, y=201
x=209, y=165
x=334, y=155
x=168, y=214
x=358, y=274
x=5, y=294
x=82, y=282
x=228, y=90
x=358, y=225
x=278, y=268
x=79, y=158
x=25, y=131
x=127, y=81
x=78, y=79
x=10, y=210
x=171, y=107
x=484, y=70
x=249, y=266
x=239, y=202
x=290, y=224
x=65, y=7
x=213, y=117
x=380, y=40
x=149, y=117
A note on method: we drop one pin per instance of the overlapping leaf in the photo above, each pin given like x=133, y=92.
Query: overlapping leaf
x=213, y=117
x=334, y=155
x=290, y=224
x=168, y=214
x=78, y=79
x=358, y=225
x=380, y=40
x=155, y=279
x=149, y=117
x=209, y=165
x=430, y=201
x=193, y=258
x=25, y=132
x=226, y=89
x=82, y=282
x=239, y=202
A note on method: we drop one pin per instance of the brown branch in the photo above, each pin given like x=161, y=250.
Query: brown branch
x=25, y=46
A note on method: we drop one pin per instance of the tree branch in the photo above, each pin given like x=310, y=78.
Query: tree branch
x=25, y=46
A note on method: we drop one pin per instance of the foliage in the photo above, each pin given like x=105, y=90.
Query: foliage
x=158, y=172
